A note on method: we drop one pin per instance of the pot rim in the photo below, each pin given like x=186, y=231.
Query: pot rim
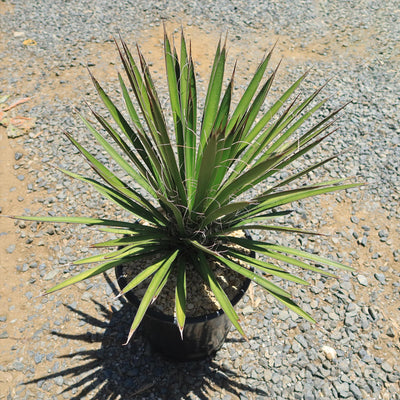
x=151, y=312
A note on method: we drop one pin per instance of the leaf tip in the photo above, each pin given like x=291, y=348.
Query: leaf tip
x=10, y=216
x=181, y=331
x=118, y=295
x=129, y=337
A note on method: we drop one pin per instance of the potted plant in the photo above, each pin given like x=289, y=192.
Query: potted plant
x=196, y=193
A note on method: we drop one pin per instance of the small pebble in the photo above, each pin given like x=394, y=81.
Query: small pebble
x=363, y=241
x=392, y=378
x=380, y=277
x=38, y=358
x=355, y=391
x=50, y=275
x=10, y=249
x=301, y=339
x=4, y=335
x=387, y=367
x=362, y=280
x=329, y=352
x=59, y=380
x=354, y=219
x=390, y=332
x=383, y=233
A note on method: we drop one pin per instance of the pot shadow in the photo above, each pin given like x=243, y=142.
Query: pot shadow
x=134, y=371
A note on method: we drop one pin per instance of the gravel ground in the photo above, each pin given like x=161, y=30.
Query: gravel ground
x=68, y=345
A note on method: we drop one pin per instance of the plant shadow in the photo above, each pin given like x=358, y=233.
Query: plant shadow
x=134, y=371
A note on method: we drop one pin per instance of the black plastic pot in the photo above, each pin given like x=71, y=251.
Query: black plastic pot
x=202, y=336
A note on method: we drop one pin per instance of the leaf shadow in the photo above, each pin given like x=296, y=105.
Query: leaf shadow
x=134, y=371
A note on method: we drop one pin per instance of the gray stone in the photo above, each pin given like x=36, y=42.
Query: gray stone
x=275, y=378
x=267, y=375
x=59, y=380
x=392, y=378
x=86, y=296
x=302, y=340
x=50, y=275
x=387, y=367
x=309, y=395
x=363, y=241
x=18, y=366
x=344, y=366
x=28, y=295
x=390, y=332
x=364, y=323
x=39, y=358
x=346, y=285
x=356, y=391
x=296, y=347
x=362, y=280
x=10, y=249
x=380, y=277
x=383, y=233
x=343, y=389
x=373, y=313
x=298, y=387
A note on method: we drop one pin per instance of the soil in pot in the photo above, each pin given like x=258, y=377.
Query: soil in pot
x=206, y=324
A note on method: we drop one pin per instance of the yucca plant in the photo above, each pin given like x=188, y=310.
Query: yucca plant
x=196, y=179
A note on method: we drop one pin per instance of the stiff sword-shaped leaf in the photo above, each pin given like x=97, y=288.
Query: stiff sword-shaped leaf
x=286, y=197
x=150, y=292
x=78, y=220
x=212, y=97
x=85, y=275
x=220, y=295
x=243, y=271
x=272, y=112
x=267, y=267
x=247, y=96
x=240, y=184
x=141, y=276
x=134, y=203
x=289, y=303
x=190, y=134
x=174, y=75
x=103, y=171
x=143, y=145
x=144, y=176
x=206, y=172
x=275, y=228
x=258, y=245
x=122, y=123
x=111, y=256
x=259, y=280
x=180, y=295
